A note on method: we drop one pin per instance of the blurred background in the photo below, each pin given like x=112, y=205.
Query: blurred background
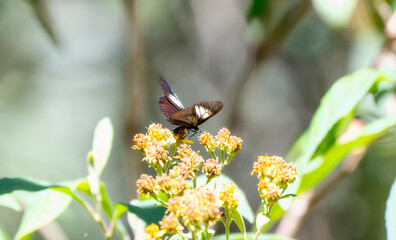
x=65, y=65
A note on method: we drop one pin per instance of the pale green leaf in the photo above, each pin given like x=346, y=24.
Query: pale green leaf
x=102, y=143
x=43, y=208
x=390, y=213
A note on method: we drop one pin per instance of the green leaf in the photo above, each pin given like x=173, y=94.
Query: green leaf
x=176, y=237
x=43, y=18
x=137, y=225
x=337, y=104
x=102, y=143
x=8, y=200
x=243, y=207
x=46, y=206
x=236, y=216
x=8, y=185
x=335, y=13
x=146, y=210
x=258, y=9
x=390, y=213
x=4, y=235
x=250, y=235
x=338, y=152
x=83, y=186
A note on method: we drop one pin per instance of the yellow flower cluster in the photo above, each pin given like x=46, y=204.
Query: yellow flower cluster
x=224, y=141
x=195, y=207
x=171, y=186
x=153, y=232
x=227, y=197
x=274, y=176
x=154, y=145
x=191, y=159
x=170, y=224
x=211, y=168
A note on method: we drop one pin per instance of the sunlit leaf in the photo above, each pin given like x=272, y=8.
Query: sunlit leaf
x=336, y=13
x=46, y=206
x=338, y=102
x=338, y=152
x=8, y=200
x=102, y=143
x=390, y=213
x=137, y=225
x=250, y=235
x=236, y=216
x=4, y=235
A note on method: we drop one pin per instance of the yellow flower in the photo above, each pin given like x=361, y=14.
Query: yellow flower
x=222, y=138
x=170, y=224
x=268, y=190
x=227, y=197
x=211, y=168
x=156, y=154
x=141, y=142
x=195, y=207
x=145, y=185
x=191, y=159
x=207, y=140
x=276, y=169
x=180, y=169
x=234, y=145
x=155, y=131
x=153, y=232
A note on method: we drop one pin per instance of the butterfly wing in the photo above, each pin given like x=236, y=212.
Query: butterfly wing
x=169, y=103
x=183, y=118
x=196, y=114
x=205, y=110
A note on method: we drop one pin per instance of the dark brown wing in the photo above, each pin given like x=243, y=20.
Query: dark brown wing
x=184, y=118
x=196, y=114
x=205, y=110
x=169, y=103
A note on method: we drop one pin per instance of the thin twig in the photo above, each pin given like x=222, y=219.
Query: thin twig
x=263, y=51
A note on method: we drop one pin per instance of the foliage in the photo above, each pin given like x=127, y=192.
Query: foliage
x=326, y=143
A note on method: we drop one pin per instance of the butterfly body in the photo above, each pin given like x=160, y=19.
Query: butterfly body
x=185, y=118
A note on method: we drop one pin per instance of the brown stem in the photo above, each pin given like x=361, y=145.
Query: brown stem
x=135, y=85
x=263, y=51
x=301, y=208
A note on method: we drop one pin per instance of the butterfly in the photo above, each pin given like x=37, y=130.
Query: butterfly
x=185, y=118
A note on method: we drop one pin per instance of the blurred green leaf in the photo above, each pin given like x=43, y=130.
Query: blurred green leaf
x=83, y=186
x=102, y=143
x=338, y=152
x=258, y=9
x=146, y=210
x=137, y=225
x=8, y=200
x=43, y=18
x=250, y=235
x=338, y=103
x=335, y=13
x=8, y=185
x=390, y=213
x=4, y=235
x=392, y=4
x=243, y=207
x=46, y=206
x=176, y=237
x=236, y=216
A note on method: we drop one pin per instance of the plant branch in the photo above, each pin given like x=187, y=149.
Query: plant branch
x=263, y=51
